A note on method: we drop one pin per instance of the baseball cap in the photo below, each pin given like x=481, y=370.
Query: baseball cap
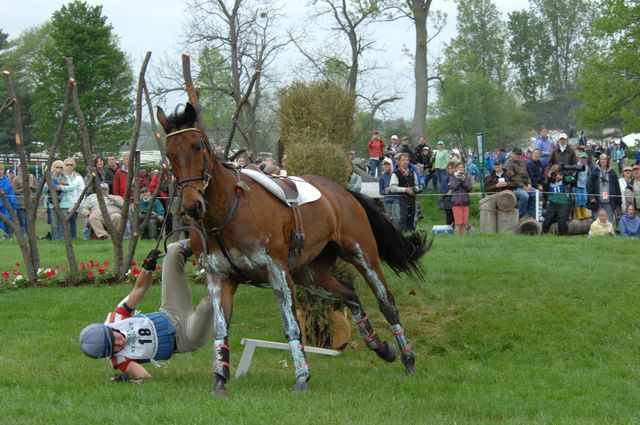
x=498, y=161
x=426, y=148
x=516, y=150
x=388, y=161
x=104, y=185
x=96, y=340
x=394, y=137
x=584, y=155
x=563, y=136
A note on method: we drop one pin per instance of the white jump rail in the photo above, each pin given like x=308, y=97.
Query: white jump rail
x=251, y=344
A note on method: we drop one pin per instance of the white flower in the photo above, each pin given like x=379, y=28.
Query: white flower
x=19, y=277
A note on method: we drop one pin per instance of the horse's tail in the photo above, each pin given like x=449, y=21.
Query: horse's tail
x=401, y=253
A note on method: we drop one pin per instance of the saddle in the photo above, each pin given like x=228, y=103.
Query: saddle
x=294, y=192
x=290, y=190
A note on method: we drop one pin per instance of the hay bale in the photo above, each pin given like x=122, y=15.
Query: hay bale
x=488, y=218
x=529, y=226
x=507, y=221
x=506, y=200
x=576, y=227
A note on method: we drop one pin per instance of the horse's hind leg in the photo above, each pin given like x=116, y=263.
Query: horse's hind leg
x=330, y=287
x=281, y=284
x=369, y=268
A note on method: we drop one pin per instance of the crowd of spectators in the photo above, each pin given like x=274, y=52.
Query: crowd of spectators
x=68, y=185
x=568, y=181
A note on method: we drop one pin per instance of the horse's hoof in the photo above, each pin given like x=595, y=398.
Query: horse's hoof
x=409, y=365
x=219, y=390
x=300, y=386
x=386, y=352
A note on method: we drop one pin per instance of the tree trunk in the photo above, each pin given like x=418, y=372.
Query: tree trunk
x=28, y=247
x=420, y=11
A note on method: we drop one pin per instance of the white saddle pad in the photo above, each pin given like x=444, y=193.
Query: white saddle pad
x=306, y=192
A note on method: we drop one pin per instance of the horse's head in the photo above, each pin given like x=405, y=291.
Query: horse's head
x=190, y=156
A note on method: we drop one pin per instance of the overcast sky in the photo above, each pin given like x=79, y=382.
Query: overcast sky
x=156, y=25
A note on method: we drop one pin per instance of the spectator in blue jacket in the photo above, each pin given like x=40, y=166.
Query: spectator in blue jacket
x=630, y=223
x=545, y=145
x=7, y=188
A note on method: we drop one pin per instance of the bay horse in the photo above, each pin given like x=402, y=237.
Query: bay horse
x=244, y=233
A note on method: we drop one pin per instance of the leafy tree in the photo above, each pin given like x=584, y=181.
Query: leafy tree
x=566, y=23
x=103, y=77
x=480, y=44
x=530, y=54
x=214, y=80
x=469, y=103
x=608, y=83
x=473, y=96
x=4, y=39
x=17, y=57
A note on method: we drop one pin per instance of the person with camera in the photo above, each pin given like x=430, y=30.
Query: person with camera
x=404, y=182
x=59, y=182
x=376, y=154
x=558, y=202
x=131, y=339
x=604, y=189
x=460, y=186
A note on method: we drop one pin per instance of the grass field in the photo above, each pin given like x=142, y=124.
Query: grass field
x=506, y=329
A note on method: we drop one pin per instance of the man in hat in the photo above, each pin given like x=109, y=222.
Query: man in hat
x=498, y=180
x=517, y=171
x=91, y=208
x=130, y=339
x=440, y=162
x=563, y=154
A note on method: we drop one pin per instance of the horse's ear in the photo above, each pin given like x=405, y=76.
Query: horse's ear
x=162, y=119
x=190, y=115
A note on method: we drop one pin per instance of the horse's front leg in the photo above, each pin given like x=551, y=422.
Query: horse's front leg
x=282, y=286
x=221, y=290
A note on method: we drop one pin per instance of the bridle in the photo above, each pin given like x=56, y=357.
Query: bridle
x=205, y=177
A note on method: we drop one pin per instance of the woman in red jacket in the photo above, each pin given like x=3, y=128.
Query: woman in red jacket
x=376, y=154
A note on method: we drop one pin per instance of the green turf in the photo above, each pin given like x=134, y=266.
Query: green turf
x=506, y=329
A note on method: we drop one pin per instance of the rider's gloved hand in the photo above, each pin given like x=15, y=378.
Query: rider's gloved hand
x=151, y=261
